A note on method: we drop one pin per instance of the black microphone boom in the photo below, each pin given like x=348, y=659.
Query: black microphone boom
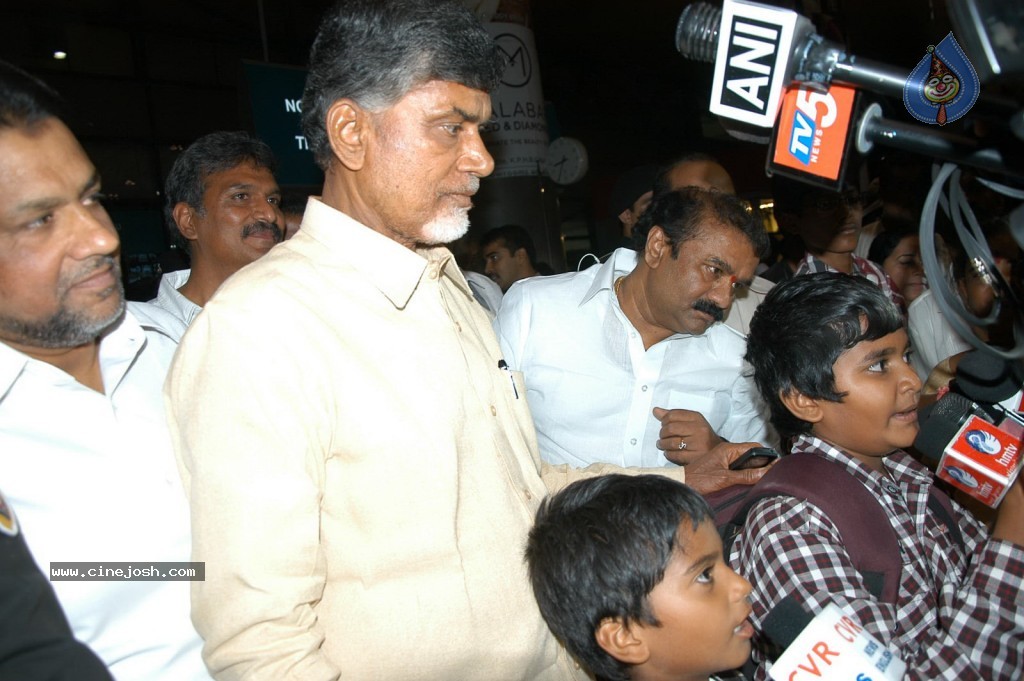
x=874, y=129
x=814, y=59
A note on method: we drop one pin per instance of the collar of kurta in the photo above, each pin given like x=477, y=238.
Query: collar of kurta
x=396, y=271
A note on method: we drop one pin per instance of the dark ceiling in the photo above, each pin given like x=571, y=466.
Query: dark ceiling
x=609, y=69
x=149, y=76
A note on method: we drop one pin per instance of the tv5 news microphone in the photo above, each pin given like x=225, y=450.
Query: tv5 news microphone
x=829, y=645
x=970, y=452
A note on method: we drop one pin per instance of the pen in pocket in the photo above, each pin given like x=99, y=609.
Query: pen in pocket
x=504, y=367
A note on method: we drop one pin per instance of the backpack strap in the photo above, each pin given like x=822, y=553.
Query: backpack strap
x=861, y=521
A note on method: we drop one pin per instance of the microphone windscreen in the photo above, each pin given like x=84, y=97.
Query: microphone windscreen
x=944, y=419
x=697, y=31
x=988, y=379
x=785, y=621
x=925, y=412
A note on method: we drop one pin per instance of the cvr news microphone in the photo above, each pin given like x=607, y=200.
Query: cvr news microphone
x=970, y=452
x=829, y=645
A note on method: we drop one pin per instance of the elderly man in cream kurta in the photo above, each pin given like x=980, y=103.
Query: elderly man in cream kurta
x=362, y=468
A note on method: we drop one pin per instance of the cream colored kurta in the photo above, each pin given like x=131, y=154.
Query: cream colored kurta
x=362, y=474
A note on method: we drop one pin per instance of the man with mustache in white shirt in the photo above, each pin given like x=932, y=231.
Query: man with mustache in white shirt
x=223, y=204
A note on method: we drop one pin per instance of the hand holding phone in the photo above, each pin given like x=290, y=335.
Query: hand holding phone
x=755, y=457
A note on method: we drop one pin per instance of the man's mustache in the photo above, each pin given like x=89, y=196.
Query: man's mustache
x=93, y=265
x=261, y=226
x=707, y=307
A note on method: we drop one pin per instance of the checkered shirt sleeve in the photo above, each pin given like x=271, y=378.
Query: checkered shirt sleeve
x=959, y=613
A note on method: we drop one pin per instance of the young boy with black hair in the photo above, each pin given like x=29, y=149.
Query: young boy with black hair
x=829, y=354
x=629, y=575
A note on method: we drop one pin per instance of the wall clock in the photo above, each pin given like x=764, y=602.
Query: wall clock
x=567, y=160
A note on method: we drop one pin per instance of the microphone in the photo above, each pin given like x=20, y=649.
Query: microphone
x=749, y=39
x=829, y=645
x=759, y=52
x=970, y=453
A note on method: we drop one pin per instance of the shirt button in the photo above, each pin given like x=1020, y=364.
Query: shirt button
x=527, y=493
x=494, y=412
x=643, y=388
x=633, y=441
x=891, y=488
x=458, y=327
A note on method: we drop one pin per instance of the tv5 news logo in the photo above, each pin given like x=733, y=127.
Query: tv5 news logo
x=813, y=129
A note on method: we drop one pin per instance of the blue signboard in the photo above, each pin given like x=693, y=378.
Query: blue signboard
x=275, y=93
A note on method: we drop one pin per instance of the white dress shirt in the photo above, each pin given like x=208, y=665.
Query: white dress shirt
x=591, y=385
x=486, y=292
x=744, y=305
x=169, y=298
x=93, y=477
x=931, y=335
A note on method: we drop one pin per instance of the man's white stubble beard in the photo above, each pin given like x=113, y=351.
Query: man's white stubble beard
x=446, y=228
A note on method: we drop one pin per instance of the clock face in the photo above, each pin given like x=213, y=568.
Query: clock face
x=567, y=160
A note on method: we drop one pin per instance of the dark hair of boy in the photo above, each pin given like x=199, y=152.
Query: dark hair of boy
x=800, y=330
x=598, y=549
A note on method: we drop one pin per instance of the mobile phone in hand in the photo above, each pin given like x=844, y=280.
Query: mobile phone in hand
x=755, y=457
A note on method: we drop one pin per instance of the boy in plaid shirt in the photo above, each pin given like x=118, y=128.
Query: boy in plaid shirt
x=829, y=353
